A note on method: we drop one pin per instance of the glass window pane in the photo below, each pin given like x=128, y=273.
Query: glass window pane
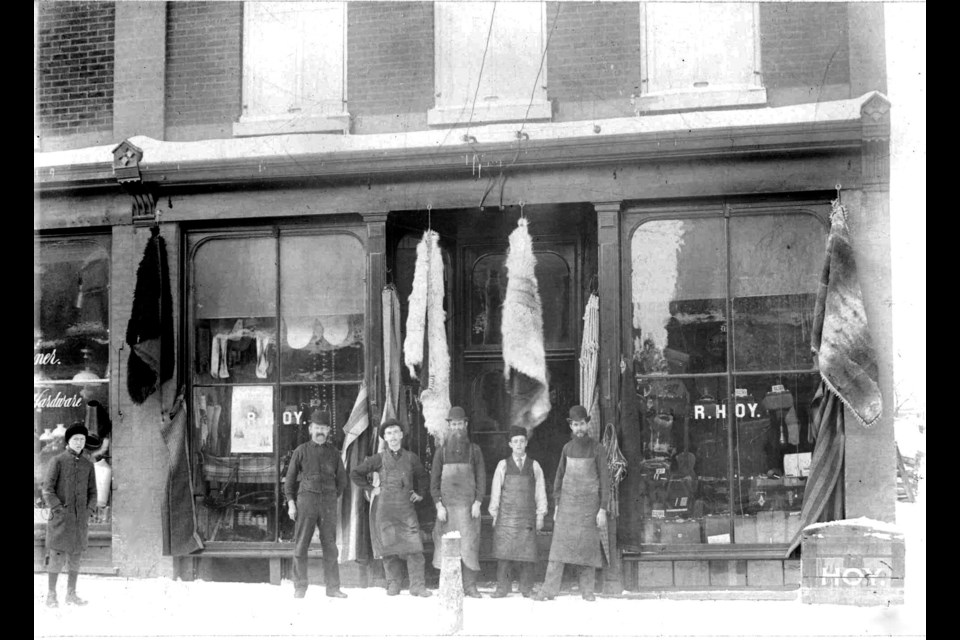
x=772, y=450
x=235, y=427
x=678, y=293
x=323, y=294
x=775, y=269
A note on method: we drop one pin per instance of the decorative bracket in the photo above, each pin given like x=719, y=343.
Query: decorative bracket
x=126, y=169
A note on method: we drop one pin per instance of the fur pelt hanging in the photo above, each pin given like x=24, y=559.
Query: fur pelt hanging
x=426, y=313
x=150, y=329
x=524, y=360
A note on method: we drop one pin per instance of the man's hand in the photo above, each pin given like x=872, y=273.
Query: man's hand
x=540, y=522
x=494, y=516
x=292, y=510
x=441, y=512
x=414, y=496
x=475, y=510
x=601, y=517
x=374, y=492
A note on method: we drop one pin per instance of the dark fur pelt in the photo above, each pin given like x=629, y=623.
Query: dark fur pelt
x=150, y=329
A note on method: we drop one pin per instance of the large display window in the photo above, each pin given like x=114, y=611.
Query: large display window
x=721, y=313
x=276, y=330
x=71, y=373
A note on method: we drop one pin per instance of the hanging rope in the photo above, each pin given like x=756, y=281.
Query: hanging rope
x=617, y=466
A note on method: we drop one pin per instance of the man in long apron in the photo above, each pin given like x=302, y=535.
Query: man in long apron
x=457, y=482
x=518, y=504
x=580, y=490
x=322, y=481
x=402, y=484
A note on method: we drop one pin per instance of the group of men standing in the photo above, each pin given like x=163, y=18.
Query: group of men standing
x=456, y=483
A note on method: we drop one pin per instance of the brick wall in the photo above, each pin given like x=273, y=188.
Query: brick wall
x=204, y=70
x=389, y=59
x=803, y=44
x=75, y=60
x=594, y=56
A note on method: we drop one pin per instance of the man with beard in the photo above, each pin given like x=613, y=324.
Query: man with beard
x=402, y=484
x=580, y=490
x=322, y=481
x=518, y=503
x=457, y=482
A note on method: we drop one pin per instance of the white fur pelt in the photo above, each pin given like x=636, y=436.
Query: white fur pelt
x=522, y=328
x=426, y=311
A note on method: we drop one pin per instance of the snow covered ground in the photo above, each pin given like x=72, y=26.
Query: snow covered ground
x=138, y=608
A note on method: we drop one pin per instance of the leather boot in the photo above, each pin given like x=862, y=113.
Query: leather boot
x=72, y=597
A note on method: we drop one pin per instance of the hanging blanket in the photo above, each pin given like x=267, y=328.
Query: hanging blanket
x=522, y=330
x=150, y=329
x=179, y=516
x=840, y=337
x=351, y=532
x=426, y=312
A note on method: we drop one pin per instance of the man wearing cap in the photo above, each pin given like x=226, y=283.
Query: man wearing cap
x=518, y=504
x=70, y=492
x=457, y=482
x=580, y=490
x=403, y=482
x=322, y=481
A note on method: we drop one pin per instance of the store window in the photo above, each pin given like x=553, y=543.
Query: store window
x=71, y=372
x=699, y=54
x=722, y=310
x=510, y=68
x=294, y=68
x=277, y=331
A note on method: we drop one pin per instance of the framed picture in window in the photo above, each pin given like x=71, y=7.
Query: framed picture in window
x=251, y=420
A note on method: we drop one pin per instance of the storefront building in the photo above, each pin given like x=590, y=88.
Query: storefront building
x=292, y=189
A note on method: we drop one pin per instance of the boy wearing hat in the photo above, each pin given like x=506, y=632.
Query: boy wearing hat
x=70, y=492
x=580, y=490
x=322, y=481
x=403, y=482
x=518, y=503
x=457, y=482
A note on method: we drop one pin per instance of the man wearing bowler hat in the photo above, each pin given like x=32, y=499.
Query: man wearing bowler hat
x=322, y=477
x=581, y=488
x=518, y=504
x=403, y=483
x=70, y=492
x=458, y=480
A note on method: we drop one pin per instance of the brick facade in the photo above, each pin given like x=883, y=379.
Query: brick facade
x=75, y=61
x=204, y=69
x=803, y=44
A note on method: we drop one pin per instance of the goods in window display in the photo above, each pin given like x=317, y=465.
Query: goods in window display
x=679, y=531
x=745, y=529
x=771, y=527
x=797, y=464
x=779, y=404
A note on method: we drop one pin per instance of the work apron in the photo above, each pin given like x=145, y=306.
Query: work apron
x=515, y=534
x=397, y=526
x=458, y=487
x=576, y=537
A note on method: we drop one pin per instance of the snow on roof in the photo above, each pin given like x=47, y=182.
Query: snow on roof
x=293, y=145
x=877, y=526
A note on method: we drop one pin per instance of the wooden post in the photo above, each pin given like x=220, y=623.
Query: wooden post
x=451, y=585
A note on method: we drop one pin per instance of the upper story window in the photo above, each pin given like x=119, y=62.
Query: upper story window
x=699, y=55
x=510, y=67
x=294, y=62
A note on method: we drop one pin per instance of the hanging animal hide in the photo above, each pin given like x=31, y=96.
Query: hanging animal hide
x=524, y=360
x=150, y=329
x=426, y=311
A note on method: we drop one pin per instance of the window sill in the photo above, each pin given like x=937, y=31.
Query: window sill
x=748, y=551
x=490, y=112
x=685, y=100
x=281, y=124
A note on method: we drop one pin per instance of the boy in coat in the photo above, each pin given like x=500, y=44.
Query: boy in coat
x=70, y=492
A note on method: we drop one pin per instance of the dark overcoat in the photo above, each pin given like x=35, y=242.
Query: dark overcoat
x=70, y=492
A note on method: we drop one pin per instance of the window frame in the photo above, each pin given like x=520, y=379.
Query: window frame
x=729, y=95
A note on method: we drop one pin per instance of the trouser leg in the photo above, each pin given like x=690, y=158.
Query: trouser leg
x=72, y=582
x=504, y=583
x=307, y=515
x=393, y=568
x=551, y=582
x=415, y=565
x=588, y=577
x=526, y=577
x=52, y=581
x=469, y=577
x=328, y=542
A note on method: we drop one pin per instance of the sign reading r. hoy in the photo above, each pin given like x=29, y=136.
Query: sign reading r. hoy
x=713, y=411
x=861, y=572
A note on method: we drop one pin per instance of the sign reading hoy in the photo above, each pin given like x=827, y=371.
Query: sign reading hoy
x=874, y=572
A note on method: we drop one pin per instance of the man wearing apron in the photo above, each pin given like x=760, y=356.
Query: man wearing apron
x=457, y=482
x=402, y=484
x=322, y=481
x=518, y=503
x=580, y=490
